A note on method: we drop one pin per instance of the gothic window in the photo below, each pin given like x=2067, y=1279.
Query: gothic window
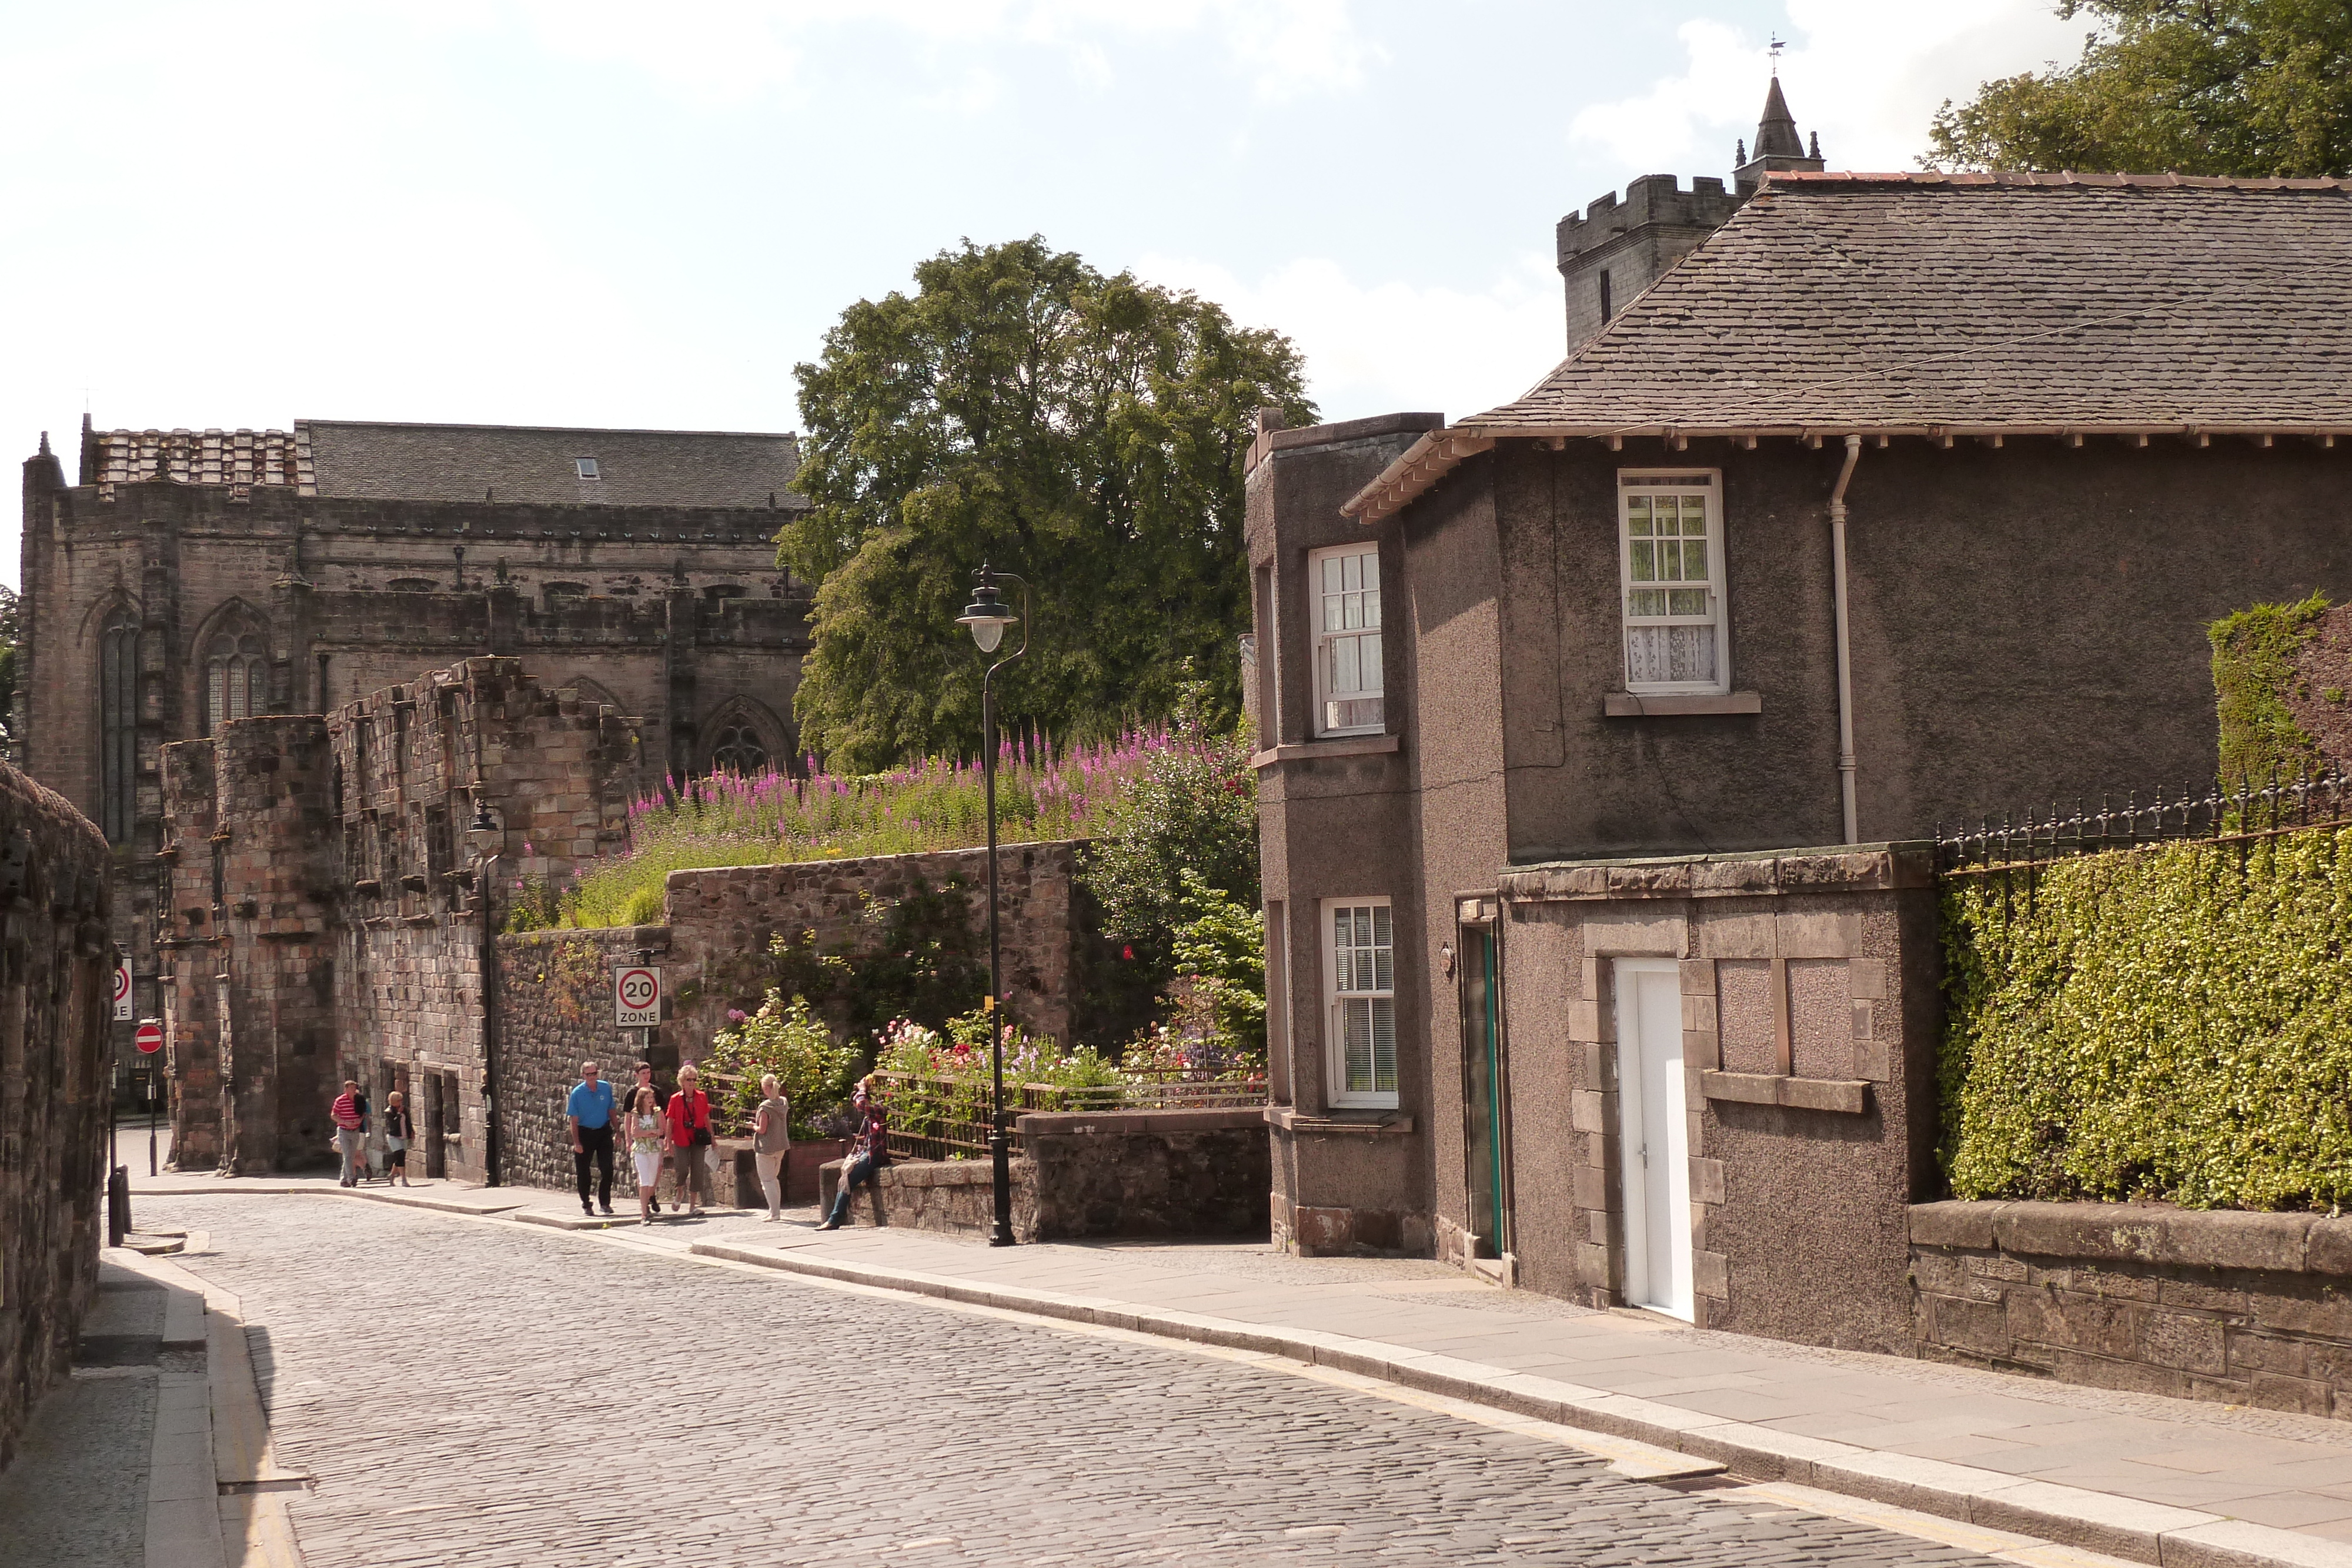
x=739, y=751
x=118, y=724
x=235, y=685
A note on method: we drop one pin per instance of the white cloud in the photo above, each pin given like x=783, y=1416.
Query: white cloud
x=729, y=50
x=1383, y=347
x=1867, y=75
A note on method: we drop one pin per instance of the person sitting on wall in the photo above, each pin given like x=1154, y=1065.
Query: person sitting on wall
x=689, y=1133
x=590, y=1112
x=350, y=1132
x=867, y=1156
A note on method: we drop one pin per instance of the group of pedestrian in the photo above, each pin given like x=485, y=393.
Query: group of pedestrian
x=672, y=1130
x=349, y=1114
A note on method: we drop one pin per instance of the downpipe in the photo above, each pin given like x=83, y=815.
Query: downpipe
x=1844, y=642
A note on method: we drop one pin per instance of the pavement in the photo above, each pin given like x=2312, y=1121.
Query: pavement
x=1999, y=1465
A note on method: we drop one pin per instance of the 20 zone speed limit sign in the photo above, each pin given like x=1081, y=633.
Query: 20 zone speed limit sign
x=636, y=997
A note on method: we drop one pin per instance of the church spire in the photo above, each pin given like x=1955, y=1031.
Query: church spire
x=1777, y=145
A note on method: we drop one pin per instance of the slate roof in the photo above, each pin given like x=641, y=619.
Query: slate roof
x=461, y=463
x=517, y=463
x=1968, y=304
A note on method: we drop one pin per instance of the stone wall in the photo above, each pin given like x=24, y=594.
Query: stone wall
x=2245, y=1309
x=1128, y=1173
x=555, y=1011
x=721, y=917
x=957, y=1197
x=56, y=963
x=1149, y=1173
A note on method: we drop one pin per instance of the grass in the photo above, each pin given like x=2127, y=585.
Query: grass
x=769, y=819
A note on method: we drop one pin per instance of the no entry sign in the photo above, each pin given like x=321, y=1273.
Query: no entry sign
x=636, y=997
x=123, y=991
x=150, y=1036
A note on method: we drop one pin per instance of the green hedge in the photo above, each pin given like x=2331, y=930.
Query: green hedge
x=2172, y=1022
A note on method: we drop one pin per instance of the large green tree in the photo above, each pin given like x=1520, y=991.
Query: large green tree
x=1022, y=409
x=2200, y=87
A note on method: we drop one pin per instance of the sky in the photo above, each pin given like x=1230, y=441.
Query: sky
x=609, y=214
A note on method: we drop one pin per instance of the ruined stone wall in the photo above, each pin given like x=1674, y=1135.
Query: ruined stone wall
x=249, y=1016
x=56, y=965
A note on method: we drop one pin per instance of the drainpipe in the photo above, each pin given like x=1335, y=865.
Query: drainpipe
x=487, y=960
x=1845, y=644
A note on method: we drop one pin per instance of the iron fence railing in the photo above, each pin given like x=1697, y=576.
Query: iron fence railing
x=942, y=1118
x=2223, y=813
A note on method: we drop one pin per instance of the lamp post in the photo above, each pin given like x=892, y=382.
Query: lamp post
x=986, y=617
x=488, y=841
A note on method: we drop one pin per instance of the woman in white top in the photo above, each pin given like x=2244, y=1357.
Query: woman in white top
x=648, y=1131
x=771, y=1140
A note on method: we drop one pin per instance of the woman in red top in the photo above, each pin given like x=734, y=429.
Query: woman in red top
x=690, y=1133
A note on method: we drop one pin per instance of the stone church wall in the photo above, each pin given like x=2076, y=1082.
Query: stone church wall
x=56, y=963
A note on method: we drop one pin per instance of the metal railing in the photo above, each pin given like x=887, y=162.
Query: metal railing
x=2284, y=803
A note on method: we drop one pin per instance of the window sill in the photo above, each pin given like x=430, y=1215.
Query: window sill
x=1358, y=1120
x=1665, y=704
x=1338, y=745
x=1847, y=1096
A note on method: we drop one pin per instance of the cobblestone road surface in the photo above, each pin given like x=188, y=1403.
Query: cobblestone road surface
x=481, y=1393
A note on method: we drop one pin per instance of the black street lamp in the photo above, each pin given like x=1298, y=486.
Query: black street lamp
x=987, y=618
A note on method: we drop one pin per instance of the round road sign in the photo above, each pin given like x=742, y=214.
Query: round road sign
x=639, y=988
x=121, y=983
x=150, y=1036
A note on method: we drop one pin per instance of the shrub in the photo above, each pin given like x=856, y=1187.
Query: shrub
x=782, y=1038
x=1192, y=809
x=2254, y=664
x=2171, y=1022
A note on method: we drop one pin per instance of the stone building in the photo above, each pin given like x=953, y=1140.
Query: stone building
x=188, y=579
x=1613, y=250
x=1831, y=535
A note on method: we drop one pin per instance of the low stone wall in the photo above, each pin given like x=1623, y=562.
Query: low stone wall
x=1127, y=1173
x=954, y=1196
x=56, y=963
x=554, y=1012
x=2245, y=1309
x=1149, y=1173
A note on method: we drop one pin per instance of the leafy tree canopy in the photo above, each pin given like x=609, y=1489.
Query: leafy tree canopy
x=1083, y=431
x=11, y=723
x=2200, y=87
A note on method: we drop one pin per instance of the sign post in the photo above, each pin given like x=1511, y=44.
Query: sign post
x=150, y=1040
x=636, y=996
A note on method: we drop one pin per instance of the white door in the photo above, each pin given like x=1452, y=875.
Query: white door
x=1654, y=1135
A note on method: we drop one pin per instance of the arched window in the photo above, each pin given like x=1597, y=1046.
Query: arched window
x=739, y=751
x=118, y=725
x=235, y=679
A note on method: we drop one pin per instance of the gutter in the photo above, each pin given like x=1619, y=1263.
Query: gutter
x=1437, y=453
x=1844, y=643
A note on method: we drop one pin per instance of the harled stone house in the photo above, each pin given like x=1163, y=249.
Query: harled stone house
x=1595, y=723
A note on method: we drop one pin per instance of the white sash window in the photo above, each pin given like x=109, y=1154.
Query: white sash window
x=1671, y=567
x=1346, y=585
x=1361, y=974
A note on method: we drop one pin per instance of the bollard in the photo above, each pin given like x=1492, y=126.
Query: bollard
x=118, y=1206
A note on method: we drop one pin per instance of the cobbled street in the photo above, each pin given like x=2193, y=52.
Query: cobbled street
x=472, y=1393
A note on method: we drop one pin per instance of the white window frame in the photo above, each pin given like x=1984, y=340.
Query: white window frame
x=587, y=469
x=1631, y=482
x=1323, y=641
x=1338, y=1003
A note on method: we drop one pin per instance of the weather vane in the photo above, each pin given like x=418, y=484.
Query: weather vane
x=1776, y=47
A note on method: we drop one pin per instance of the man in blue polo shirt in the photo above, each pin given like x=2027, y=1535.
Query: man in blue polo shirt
x=590, y=1112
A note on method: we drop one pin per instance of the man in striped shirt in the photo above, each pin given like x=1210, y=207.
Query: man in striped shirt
x=350, y=1132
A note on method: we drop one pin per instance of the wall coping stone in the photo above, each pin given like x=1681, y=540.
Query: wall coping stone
x=1847, y=1096
x=654, y=936
x=2142, y=1233
x=1843, y=868
x=1353, y=1124
x=933, y=1173
x=1184, y=1119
